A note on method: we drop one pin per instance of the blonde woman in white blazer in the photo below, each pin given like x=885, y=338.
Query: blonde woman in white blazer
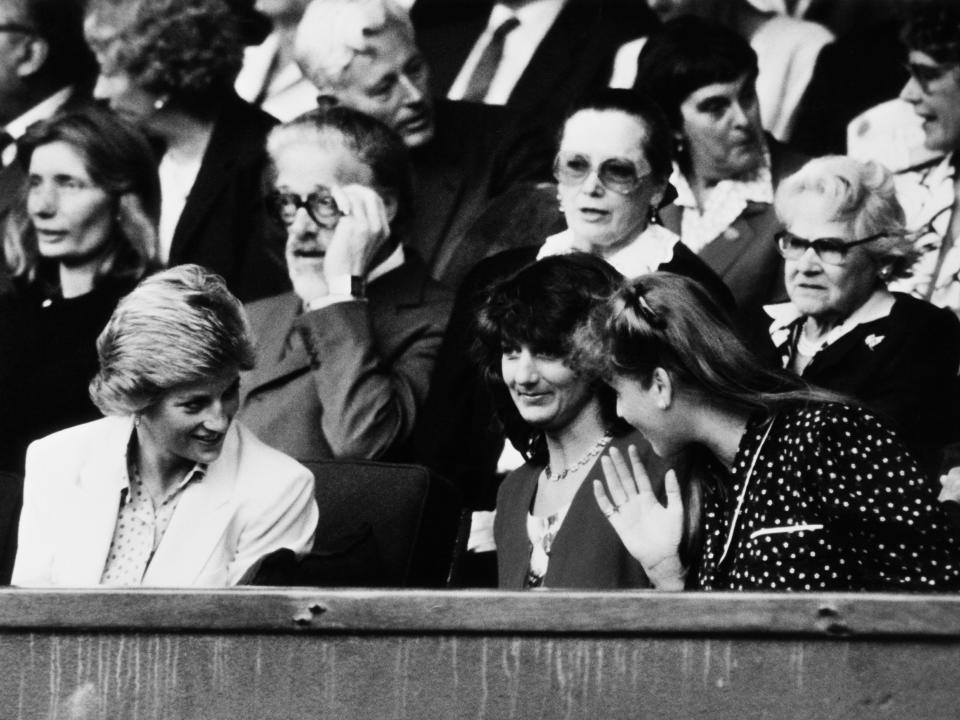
x=167, y=491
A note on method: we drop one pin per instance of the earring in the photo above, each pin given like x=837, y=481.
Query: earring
x=136, y=420
x=160, y=103
x=885, y=273
x=653, y=215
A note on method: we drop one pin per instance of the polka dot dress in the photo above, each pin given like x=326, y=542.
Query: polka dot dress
x=834, y=502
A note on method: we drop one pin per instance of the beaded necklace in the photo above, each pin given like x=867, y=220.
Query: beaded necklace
x=594, y=450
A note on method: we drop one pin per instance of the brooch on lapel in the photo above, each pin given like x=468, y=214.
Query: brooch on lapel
x=731, y=234
x=872, y=341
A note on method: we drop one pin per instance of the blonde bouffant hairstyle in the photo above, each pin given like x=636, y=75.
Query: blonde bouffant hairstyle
x=179, y=326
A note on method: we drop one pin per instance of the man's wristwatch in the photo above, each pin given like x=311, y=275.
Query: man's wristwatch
x=358, y=286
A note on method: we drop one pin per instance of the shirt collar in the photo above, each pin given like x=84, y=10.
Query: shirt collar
x=395, y=260
x=537, y=13
x=785, y=317
x=18, y=126
x=646, y=253
x=755, y=187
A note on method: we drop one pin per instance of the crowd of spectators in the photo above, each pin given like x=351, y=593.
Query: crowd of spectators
x=667, y=290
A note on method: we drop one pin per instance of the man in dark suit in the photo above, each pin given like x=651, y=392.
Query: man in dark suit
x=363, y=55
x=343, y=361
x=555, y=53
x=44, y=64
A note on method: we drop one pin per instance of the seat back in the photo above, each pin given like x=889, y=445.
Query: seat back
x=413, y=514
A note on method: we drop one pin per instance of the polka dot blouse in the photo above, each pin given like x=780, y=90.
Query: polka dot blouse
x=834, y=502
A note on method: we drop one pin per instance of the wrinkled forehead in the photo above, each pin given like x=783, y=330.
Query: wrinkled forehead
x=387, y=48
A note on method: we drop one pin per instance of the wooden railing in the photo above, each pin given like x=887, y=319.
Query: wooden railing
x=294, y=654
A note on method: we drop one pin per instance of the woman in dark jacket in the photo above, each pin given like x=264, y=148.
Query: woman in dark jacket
x=170, y=65
x=82, y=236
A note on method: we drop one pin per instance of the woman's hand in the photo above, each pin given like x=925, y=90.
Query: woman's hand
x=950, y=486
x=651, y=532
x=361, y=231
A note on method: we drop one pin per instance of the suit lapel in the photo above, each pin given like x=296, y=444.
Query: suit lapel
x=88, y=529
x=726, y=251
x=198, y=522
x=272, y=322
x=438, y=185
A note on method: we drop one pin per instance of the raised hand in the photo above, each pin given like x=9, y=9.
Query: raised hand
x=651, y=532
x=362, y=229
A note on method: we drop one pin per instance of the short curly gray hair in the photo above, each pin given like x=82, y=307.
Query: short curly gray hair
x=191, y=50
x=860, y=194
x=179, y=326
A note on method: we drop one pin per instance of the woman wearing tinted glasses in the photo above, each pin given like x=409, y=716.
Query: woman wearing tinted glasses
x=843, y=329
x=612, y=169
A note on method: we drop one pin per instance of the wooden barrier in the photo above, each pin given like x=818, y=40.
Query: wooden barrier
x=137, y=655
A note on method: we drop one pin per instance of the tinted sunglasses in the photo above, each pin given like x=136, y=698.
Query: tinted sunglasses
x=832, y=251
x=320, y=206
x=619, y=175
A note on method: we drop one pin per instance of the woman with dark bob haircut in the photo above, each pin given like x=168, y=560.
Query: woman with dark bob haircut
x=80, y=237
x=704, y=76
x=169, y=66
x=166, y=490
x=805, y=491
x=548, y=531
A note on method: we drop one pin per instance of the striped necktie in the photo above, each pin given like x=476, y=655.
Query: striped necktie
x=489, y=61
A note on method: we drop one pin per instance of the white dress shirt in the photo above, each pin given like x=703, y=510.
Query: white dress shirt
x=520, y=44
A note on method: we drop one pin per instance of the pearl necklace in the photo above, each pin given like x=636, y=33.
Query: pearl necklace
x=594, y=450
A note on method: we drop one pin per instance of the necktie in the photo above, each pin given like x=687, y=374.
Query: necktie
x=489, y=61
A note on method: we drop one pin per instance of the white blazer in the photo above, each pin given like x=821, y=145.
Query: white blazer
x=253, y=500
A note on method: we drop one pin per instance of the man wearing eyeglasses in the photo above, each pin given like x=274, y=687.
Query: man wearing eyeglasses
x=44, y=64
x=344, y=360
x=929, y=193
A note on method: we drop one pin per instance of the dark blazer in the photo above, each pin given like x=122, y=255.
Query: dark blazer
x=347, y=380
x=574, y=59
x=48, y=358
x=745, y=256
x=225, y=225
x=586, y=552
x=477, y=152
x=903, y=367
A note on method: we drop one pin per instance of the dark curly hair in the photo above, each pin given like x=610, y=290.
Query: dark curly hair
x=542, y=306
x=187, y=50
x=933, y=27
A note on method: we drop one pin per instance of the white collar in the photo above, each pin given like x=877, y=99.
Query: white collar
x=539, y=13
x=645, y=254
x=41, y=111
x=784, y=315
x=395, y=260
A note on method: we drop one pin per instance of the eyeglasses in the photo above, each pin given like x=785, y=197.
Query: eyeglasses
x=320, y=206
x=925, y=74
x=619, y=175
x=832, y=251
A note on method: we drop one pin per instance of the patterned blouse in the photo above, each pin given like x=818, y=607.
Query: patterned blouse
x=834, y=502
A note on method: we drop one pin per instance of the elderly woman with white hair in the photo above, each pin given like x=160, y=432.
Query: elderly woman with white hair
x=167, y=490
x=843, y=241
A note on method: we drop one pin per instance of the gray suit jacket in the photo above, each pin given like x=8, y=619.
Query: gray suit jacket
x=347, y=380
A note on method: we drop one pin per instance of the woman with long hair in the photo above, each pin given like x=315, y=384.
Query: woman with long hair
x=807, y=492
x=81, y=237
x=548, y=531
